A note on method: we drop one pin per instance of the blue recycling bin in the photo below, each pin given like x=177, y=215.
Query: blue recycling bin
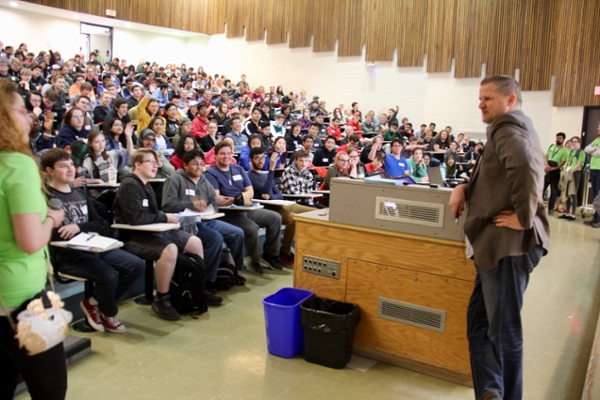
x=282, y=321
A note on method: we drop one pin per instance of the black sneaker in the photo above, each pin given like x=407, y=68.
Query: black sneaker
x=256, y=268
x=272, y=262
x=564, y=216
x=212, y=300
x=571, y=218
x=210, y=287
x=589, y=223
x=162, y=306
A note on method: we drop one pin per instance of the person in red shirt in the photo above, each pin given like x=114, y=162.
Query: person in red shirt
x=200, y=122
x=354, y=123
x=186, y=143
x=334, y=129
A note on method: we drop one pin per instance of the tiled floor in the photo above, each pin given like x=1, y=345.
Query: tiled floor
x=223, y=354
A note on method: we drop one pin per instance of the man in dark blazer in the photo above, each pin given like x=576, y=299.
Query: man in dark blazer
x=507, y=228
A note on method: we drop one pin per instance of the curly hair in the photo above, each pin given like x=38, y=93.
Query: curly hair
x=11, y=136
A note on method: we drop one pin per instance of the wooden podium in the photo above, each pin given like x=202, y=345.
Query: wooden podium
x=413, y=289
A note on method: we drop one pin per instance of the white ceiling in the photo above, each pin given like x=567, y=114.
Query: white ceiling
x=92, y=19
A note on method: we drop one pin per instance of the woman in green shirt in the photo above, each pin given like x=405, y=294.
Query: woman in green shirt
x=25, y=227
x=416, y=166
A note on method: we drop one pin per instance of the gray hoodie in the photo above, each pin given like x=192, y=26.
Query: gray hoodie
x=179, y=190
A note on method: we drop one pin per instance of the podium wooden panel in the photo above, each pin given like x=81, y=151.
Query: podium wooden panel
x=415, y=269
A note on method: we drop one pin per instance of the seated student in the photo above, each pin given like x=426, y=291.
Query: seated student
x=252, y=126
x=334, y=129
x=265, y=189
x=186, y=144
x=148, y=141
x=157, y=124
x=441, y=141
x=417, y=169
x=231, y=181
x=185, y=125
x=279, y=149
x=293, y=138
x=472, y=156
x=120, y=136
x=277, y=128
x=189, y=188
x=208, y=142
x=100, y=162
x=367, y=126
x=313, y=131
x=340, y=168
x=209, y=156
x=376, y=166
x=324, y=156
x=392, y=133
x=307, y=145
x=244, y=160
x=102, y=109
x=266, y=137
x=119, y=112
x=354, y=123
x=172, y=120
x=112, y=272
x=353, y=142
x=72, y=129
x=321, y=128
x=240, y=139
x=395, y=164
x=297, y=179
x=135, y=204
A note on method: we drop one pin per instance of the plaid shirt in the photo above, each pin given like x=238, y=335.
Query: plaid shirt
x=295, y=182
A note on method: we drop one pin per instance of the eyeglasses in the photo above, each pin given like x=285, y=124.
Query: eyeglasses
x=344, y=161
x=258, y=158
x=151, y=162
x=150, y=139
x=77, y=116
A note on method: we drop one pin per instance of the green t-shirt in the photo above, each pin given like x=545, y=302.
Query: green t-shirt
x=574, y=159
x=557, y=154
x=595, y=161
x=21, y=275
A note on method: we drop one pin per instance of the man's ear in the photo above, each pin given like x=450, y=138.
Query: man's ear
x=512, y=99
x=49, y=171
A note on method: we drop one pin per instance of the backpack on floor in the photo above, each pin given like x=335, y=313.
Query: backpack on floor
x=187, y=285
x=227, y=274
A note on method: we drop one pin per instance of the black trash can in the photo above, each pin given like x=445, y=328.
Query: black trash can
x=328, y=331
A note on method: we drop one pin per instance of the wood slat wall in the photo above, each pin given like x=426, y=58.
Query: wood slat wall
x=540, y=38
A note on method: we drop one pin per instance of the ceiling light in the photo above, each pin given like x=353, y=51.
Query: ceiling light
x=14, y=4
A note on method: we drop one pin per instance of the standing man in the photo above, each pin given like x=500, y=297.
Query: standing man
x=507, y=227
x=554, y=159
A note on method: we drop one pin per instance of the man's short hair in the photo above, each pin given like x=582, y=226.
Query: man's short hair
x=506, y=85
x=221, y=144
x=280, y=116
x=256, y=151
x=119, y=102
x=330, y=137
x=397, y=140
x=86, y=85
x=562, y=134
x=307, y=137
x=138, y=156
x=294, y=124
x=51, y=95
x=110, y=84
x=394, y=123
x=191, y=155
x=25, y=72
x=35, y=66
x=302, y=153
x=354, y=138
x=52, y=156
x=80, y=97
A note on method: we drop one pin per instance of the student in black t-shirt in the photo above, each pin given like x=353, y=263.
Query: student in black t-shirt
x=324, y=156
x=112, y=272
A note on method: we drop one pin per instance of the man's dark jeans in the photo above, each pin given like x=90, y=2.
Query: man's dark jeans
x=494, y=328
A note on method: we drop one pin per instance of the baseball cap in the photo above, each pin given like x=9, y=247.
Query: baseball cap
x=184, y=121
x=79, y=151
x=193, y=103
x=357, y=114
x=146, y=133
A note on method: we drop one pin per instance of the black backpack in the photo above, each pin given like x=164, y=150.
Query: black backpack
x=187, y=285
x=227, y=274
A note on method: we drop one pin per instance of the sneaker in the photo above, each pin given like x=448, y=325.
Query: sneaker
x=112, y=324
x=92, y=314
x=571, y=218
x=162, y=306
x=550, y=212
x=565, y=216
x=210, y=287
x=212, y=300
x=596, y=225
x=286, y=260
x=256, y=268
x=589, y=223
x=272, y=262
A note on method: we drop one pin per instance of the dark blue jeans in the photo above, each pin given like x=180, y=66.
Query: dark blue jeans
x=112, y=273
x=494, y=328
x=595, y=180
x=213, y=233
